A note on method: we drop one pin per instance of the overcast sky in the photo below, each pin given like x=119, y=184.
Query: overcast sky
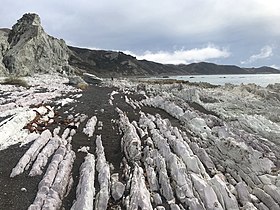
x=240, y=32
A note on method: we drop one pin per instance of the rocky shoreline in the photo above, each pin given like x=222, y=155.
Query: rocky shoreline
x=127, y=144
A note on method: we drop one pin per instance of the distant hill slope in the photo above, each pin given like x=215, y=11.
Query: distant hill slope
x=27, y=49
x=111, y=63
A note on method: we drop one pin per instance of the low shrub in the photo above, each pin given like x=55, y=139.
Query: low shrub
x=82, y=85
x=15, y=81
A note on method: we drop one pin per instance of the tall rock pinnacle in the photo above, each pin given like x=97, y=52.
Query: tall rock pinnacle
x=30, y=50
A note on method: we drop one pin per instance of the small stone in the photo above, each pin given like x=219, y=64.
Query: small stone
x=23, y=189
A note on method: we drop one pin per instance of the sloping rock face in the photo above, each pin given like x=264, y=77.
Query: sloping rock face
x=28, y=49
x=4, y=45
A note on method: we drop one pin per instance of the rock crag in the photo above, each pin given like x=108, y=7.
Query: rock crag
x=28, y=49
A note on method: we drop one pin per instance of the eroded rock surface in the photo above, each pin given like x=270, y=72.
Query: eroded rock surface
x=180, y=147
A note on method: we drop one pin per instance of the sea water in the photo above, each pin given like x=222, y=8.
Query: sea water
x=236, y=79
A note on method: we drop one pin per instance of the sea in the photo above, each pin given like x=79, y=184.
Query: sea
x=236, y=79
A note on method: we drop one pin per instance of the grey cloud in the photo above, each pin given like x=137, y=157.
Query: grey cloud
x=264, y=53
x=159, y=25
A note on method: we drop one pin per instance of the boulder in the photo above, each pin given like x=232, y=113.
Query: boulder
x=77, y=81
x=117, y=188
x=91, y=79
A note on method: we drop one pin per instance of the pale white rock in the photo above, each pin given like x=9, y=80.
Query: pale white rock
x=156, y=198
x=152, y=178
x=65, y=101
x=242, y=192
x=249, y=206
x=31, y=153
x=50, y=174
x=164, y=181
x=31, y=137
x=268, y=179
x=183, y=186
x=56, y=131
x=23, y=189
x=112, y=97
x=53, y=187
x=63, y=174
x=101, y=159
x=85, y=191
x=262, y=206
x=225, y=197
x=195, y=204
x=117, y=188
x=206, y=193
x=273, y=191
x=139, y=196
x=84, y=149
x=42, y=110
x=203, y=156
x=103, y=195
x=141, y=133
x=90, y=126
x=43, y=156
x=129, y=102
x=65, y=134
x=103, y=169
x=130, y=142
x=174, y=206
x=11, y=128
x=91, y=78
x=100, y=125
x=266, y=199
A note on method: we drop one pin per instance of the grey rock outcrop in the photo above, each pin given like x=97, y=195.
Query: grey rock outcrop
x=28, y=49
x=91, y=79
x=75, y=80
x=3, y=48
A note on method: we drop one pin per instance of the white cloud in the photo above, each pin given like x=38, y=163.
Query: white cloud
x=186, y=56
x=275, y=66
x=266, y=52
